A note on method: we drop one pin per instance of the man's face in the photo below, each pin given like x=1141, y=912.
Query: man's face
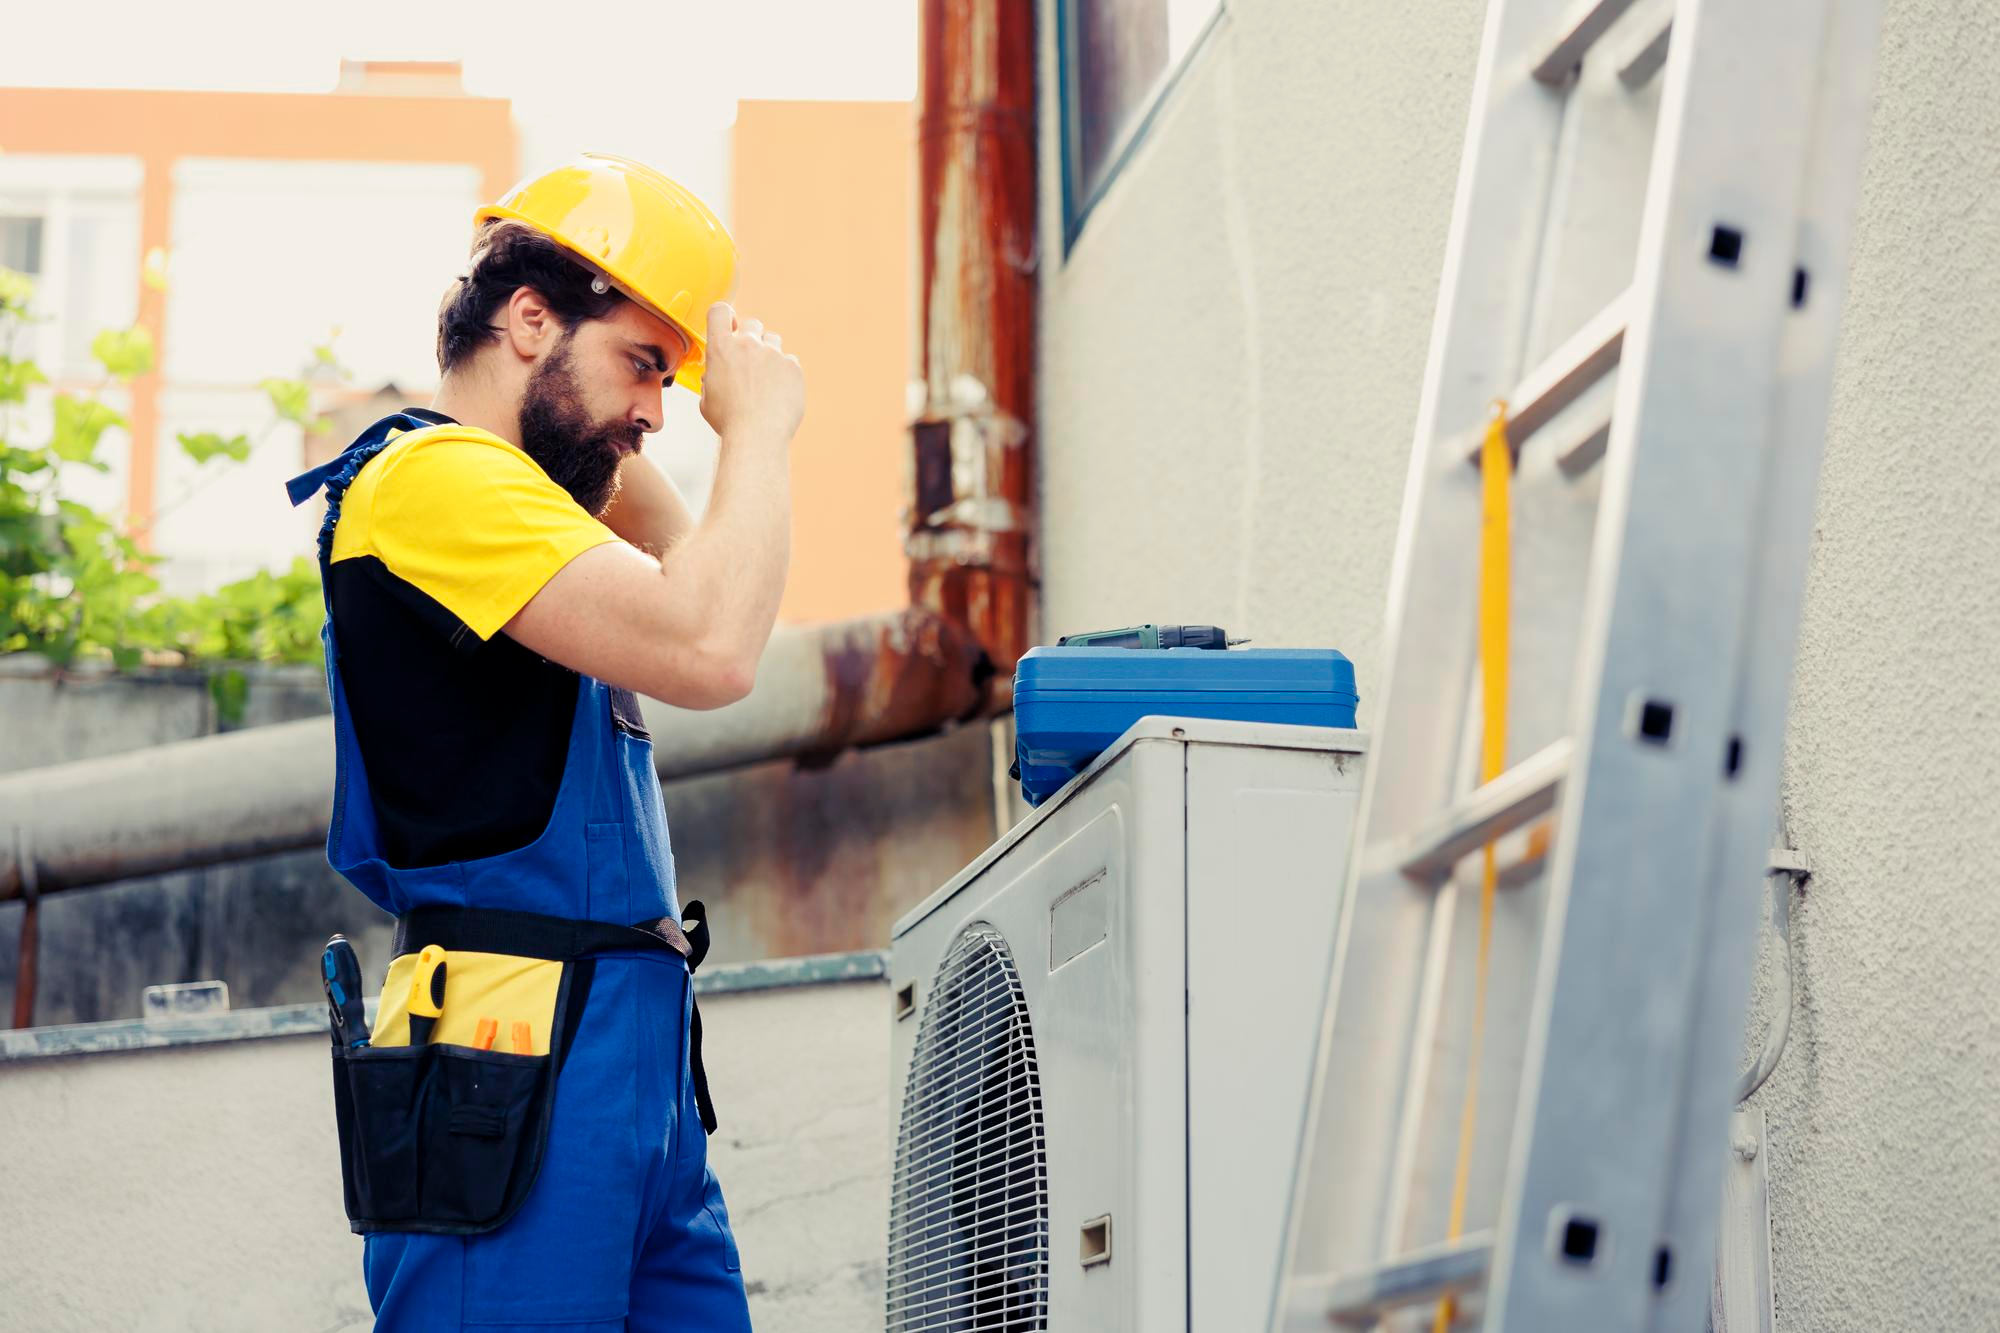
x=589, y=402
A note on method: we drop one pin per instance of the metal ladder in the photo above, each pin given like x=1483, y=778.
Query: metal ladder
x=1647, y=260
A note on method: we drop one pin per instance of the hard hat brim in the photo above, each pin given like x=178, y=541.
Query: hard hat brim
x=689, y=373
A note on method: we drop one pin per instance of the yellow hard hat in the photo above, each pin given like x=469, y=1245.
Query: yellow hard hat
x=661, y=245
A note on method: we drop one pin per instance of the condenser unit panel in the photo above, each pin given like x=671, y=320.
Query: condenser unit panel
x=1095, y=1025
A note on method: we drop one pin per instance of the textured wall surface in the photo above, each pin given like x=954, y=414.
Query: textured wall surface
x=197, y=1189
x=1233, y=353
x=1885, y=1164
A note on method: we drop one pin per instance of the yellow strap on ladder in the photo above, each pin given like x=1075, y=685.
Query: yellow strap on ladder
x=1496, y=466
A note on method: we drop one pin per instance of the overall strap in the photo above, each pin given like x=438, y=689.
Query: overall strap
x=336, y=474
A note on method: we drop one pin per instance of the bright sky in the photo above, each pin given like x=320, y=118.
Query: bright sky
x=657, y=81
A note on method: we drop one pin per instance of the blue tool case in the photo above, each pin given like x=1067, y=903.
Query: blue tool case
x=1071, y=703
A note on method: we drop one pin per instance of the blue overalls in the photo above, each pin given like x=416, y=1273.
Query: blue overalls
x=624, y=1228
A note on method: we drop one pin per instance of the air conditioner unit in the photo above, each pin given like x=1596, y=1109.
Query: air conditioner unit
x=1104, y=1032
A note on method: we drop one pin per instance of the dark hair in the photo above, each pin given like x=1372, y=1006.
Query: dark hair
x=507, y=256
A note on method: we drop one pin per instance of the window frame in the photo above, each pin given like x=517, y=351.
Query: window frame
x=62, y=190
x=1076, y=211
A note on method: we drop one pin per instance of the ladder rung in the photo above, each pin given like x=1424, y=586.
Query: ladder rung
x=1582, y=452
x=1643, y=61
x=1576, y=34
x=1361, y=1299
x=1585, y=357
x=1518, y=796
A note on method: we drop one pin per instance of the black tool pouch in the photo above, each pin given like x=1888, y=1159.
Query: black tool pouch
x=448, y=1138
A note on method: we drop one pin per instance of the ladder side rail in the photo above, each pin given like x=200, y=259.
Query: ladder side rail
x=1573, y=340
x=1791, y=483
x=1654, y=696
x=1375, y=960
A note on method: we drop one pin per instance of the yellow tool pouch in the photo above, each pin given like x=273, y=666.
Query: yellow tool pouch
x=448, y=1135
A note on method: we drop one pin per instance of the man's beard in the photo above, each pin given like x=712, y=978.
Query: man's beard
x=580, y=455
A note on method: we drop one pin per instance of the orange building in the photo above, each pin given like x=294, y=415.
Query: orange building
x=822, y=211
x=824, y=217
x=383, y=112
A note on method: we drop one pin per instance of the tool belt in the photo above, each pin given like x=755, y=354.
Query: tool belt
x=447, y=1134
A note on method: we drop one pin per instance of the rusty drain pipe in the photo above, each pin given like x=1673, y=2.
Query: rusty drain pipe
x=820, y=690
x=969, y=539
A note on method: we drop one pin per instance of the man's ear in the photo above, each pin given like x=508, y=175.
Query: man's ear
x=530, y=325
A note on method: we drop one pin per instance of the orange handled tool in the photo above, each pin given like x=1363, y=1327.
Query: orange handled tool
x=482, y=1040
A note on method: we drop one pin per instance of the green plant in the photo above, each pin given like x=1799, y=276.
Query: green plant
x=74, y=585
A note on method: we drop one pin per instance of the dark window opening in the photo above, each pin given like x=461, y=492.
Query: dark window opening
x=1118, y=56
x=21, y=244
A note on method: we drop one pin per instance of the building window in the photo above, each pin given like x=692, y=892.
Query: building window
x=1118, y=56
x=72, y=225
x=21, y=244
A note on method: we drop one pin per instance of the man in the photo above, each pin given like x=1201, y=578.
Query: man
x=502, y=572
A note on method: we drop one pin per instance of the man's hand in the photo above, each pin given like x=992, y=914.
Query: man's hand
x=689, y=627
x=751, y=388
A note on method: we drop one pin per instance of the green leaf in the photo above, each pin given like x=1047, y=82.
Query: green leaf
x=231, y=691
x=204, y=445
x=124, y=352
x=290, y=399
x=16, y=290
x=27, y=462
x=16, y=377
x=80, y=422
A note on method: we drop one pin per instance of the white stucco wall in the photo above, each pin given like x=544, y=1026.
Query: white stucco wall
x=1885, y=1160
x=1231, y=354
x=196, y=1189
x=1232, y=358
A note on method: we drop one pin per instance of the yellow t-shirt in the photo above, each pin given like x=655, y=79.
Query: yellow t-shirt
x=468, y=519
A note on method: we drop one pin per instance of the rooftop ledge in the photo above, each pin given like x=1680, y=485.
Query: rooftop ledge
x=291, y=1020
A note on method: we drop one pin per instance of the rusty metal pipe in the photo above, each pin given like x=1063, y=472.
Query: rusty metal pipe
x=819, y=690
x=969, y=537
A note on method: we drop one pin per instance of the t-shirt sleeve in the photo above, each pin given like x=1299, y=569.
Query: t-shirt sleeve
x=477, y=526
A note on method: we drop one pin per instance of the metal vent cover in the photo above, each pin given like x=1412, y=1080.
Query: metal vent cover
x=969, y=1200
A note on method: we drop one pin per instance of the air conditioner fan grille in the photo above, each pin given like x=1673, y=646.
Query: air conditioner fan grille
x=969, y=1202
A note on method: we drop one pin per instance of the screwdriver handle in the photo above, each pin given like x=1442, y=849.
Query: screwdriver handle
x=340, y=975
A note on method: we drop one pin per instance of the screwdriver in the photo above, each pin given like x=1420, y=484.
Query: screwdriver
x=1152, y=636
x=426, y=994
x=340, y=974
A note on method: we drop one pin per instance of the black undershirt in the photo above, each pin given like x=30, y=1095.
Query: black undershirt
x=464, y=739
